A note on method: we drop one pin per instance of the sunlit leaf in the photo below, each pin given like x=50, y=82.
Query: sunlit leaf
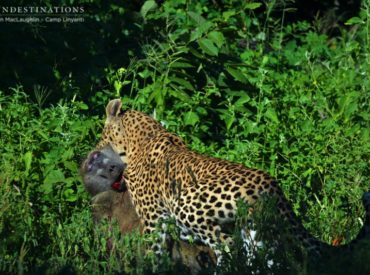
x=252, y=6
x=271, y=115
x=217, y=37
x=197, y=18
x=181, y=65
x=208, y=46
x=238, y=75
x=354, y=21
x=148, y=5
x=199, y=31
x=54, y=176
x=227, y=14
x=191, y=118
x=70, y=195
x=27, y=158
x=186, y=84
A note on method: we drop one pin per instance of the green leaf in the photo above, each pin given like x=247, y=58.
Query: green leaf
x=208, y=47
x=271, y=115
x=27, y=158
x=238, y=75
x=229, y=120
x=54, y=176
x=252, y=6
x=306, y=126
x=199, y=31
x=67, y=154
x=83, y=106
x=117, y=86
x=227, y=14
x=191, y=118
x=148, y=5
x=181, y=65
x=70, y=195
x=227, y=117
x=365, y=136
x=351, y=108
x=151, y=90
x=242, y=100
x=43, y=135
x=126, y=82
x=144, y=74
x=176, y=92
x=201, y=110
x=197, y=18
x=71, y=166
x=186, y=84
x=217, y=37
x=196, y=53
x=354, y=20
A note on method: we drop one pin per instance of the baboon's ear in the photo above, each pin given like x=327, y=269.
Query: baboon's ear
x=113, y=108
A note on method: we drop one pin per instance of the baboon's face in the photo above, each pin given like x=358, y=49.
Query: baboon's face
x=102, y=171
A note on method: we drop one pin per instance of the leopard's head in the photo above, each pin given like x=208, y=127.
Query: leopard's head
x=127, y=131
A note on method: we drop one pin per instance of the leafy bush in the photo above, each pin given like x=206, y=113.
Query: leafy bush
x=40, y=183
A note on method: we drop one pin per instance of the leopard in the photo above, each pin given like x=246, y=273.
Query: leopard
x=102, y=174
x=168, y=180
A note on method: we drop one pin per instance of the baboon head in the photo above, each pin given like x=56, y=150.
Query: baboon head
x=102, y=171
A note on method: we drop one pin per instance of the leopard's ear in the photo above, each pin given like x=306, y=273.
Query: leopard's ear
x=113, y=108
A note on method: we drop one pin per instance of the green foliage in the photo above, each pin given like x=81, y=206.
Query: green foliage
x=40, y=159
x=232, y=79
